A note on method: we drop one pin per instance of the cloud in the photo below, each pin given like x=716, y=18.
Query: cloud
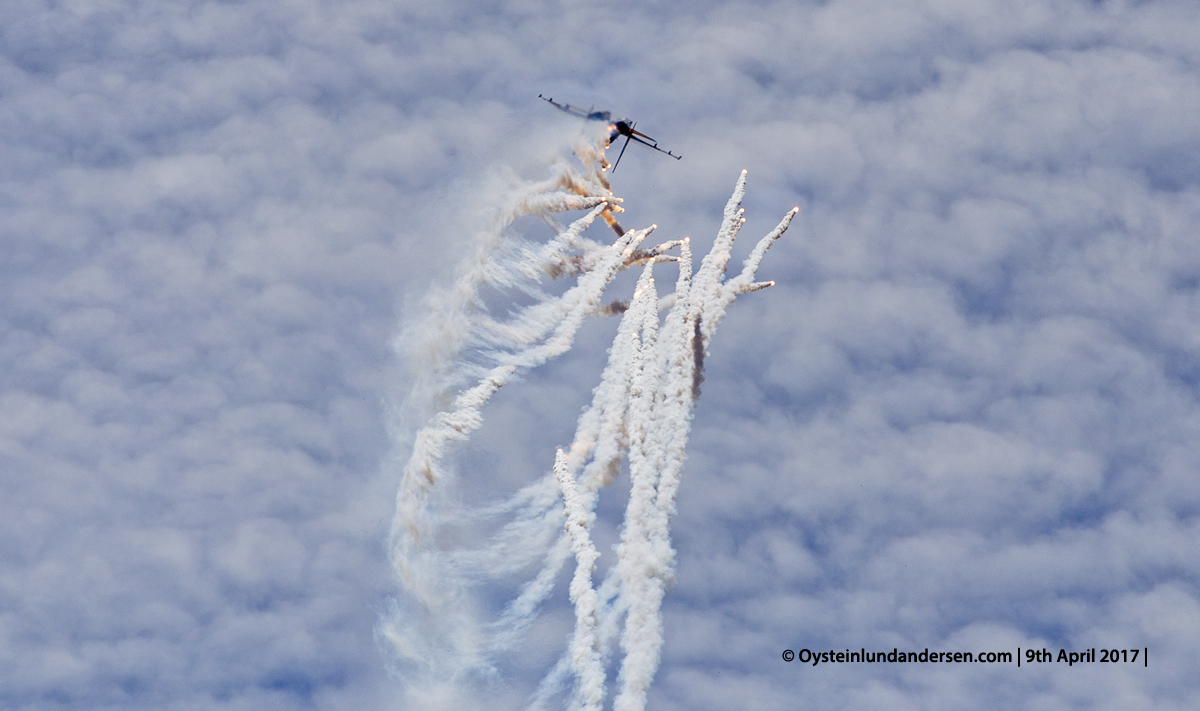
x=965, y=418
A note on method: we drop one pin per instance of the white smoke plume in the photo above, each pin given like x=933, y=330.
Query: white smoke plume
x=640, y=413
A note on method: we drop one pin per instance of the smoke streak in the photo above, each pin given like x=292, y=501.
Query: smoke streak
x=641, y=412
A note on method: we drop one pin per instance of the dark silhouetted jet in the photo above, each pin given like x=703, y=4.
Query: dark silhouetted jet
x=616, y=128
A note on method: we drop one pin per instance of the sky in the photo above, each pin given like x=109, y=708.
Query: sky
x=967, y=417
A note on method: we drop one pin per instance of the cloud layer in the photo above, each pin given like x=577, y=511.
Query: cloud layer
x=965, y=418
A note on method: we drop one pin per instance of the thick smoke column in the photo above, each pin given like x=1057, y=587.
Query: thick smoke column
x=641, y=413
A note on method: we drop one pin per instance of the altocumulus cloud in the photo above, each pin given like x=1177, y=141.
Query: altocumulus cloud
x=966, y=417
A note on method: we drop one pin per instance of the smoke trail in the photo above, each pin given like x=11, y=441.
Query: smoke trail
x=641, y=413
x=585, y=650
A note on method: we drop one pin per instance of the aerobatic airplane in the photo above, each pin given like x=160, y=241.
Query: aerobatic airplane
x=616, y=128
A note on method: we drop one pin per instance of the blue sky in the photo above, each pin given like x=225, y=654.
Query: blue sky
x=966, y=417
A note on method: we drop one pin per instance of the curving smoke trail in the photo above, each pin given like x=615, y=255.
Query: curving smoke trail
x=641, y=412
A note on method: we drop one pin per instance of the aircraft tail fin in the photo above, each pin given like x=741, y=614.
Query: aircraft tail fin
x=623, y=147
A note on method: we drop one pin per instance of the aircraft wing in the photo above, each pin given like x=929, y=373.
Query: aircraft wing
x=576, y=111
x=648, y=141
x=633, y=136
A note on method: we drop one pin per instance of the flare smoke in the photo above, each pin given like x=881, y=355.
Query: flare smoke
x=641, y=413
